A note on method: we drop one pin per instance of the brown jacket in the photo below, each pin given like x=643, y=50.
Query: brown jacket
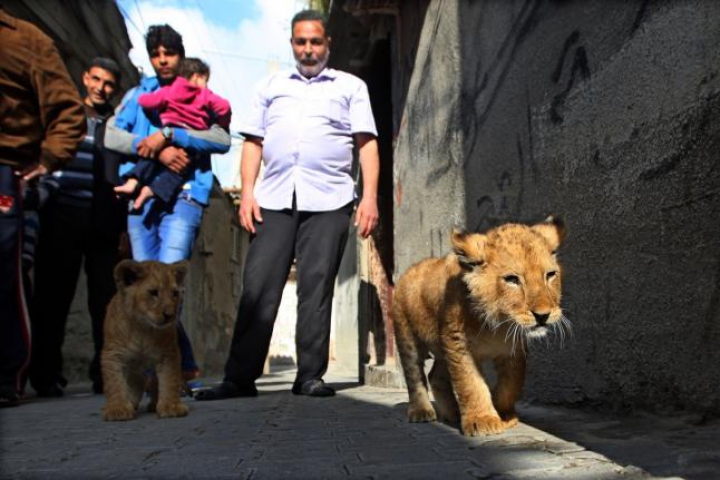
x=41, y=114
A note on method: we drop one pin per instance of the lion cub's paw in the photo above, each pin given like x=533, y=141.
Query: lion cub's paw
x=170, y=410
x=115, y=413
x=421, y=414
x=478, y=425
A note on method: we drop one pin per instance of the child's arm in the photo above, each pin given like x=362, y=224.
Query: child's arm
x=220, y=108
x=155, y=100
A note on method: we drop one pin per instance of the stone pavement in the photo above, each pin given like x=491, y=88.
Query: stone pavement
x=360, y=433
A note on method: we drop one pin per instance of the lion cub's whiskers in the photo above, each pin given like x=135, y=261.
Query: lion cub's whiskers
x=518, y=337
x=566, y=329
x=563, y=330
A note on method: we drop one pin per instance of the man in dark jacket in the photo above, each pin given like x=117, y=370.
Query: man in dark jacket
x=80, y=224
x=41, y=125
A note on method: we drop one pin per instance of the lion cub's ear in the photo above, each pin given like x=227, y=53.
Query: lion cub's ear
x=128, y=272
x=180, y=269
x=553, y=230
x=469, y=248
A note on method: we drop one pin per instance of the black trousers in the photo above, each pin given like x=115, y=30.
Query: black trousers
x=69, y=235
x=317, y=241
x=14, y=322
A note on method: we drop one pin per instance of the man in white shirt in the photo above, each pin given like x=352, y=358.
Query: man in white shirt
x=302, y=124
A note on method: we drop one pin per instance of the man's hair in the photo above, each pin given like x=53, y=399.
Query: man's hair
x=106, y=64
x=164, y=36
x=310, y=15
x=192, y=65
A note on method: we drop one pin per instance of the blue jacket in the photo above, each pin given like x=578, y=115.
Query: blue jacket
x=130, y=125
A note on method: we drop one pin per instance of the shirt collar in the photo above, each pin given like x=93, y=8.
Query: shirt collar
x=325, y=74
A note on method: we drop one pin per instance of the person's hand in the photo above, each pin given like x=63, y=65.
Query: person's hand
x=248, y=212
x=175, y=159
x=366, y=217
x=32, y=172
x=150, y=146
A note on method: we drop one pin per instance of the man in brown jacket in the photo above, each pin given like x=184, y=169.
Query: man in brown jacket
x=42, y=121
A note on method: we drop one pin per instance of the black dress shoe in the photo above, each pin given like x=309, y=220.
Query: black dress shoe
x=313, y=388
x=225, y=390
x=8, y=396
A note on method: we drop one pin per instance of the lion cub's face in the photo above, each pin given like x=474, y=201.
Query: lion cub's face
x=513, y=276
x=151, y=290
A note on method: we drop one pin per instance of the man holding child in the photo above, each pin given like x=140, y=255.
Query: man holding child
x=158, y=230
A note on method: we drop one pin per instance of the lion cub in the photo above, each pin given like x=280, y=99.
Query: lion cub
x=484, y=301
x=141, y=334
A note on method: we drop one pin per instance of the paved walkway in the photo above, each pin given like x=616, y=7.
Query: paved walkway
x=360, y=433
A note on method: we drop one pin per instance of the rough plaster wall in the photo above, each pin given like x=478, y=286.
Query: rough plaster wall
x=607, y=113
x=344, y=335
x=429, y=190
x=282, y=344
x=214, y=283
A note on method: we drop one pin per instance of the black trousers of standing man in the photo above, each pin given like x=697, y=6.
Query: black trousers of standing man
x=317, y=241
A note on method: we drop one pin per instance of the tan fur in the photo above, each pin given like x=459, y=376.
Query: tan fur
x=141, y=334
x=484, y=301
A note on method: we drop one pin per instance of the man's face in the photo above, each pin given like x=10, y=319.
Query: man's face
x=100, y=86
x=311, y=47
x=165, y=62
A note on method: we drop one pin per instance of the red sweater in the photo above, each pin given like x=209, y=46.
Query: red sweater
x=182, y=104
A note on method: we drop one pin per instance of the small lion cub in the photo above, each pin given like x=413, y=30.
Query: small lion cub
x=141, y=334
x=486, y=301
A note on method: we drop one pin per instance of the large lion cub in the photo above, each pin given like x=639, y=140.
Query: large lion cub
x=484, y=301
x=141, y=334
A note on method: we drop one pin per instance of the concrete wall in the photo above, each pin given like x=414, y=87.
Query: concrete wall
x=214, y=283
x=607, y=113
x=82, y=30
x=344, y=335
x=429, y=184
